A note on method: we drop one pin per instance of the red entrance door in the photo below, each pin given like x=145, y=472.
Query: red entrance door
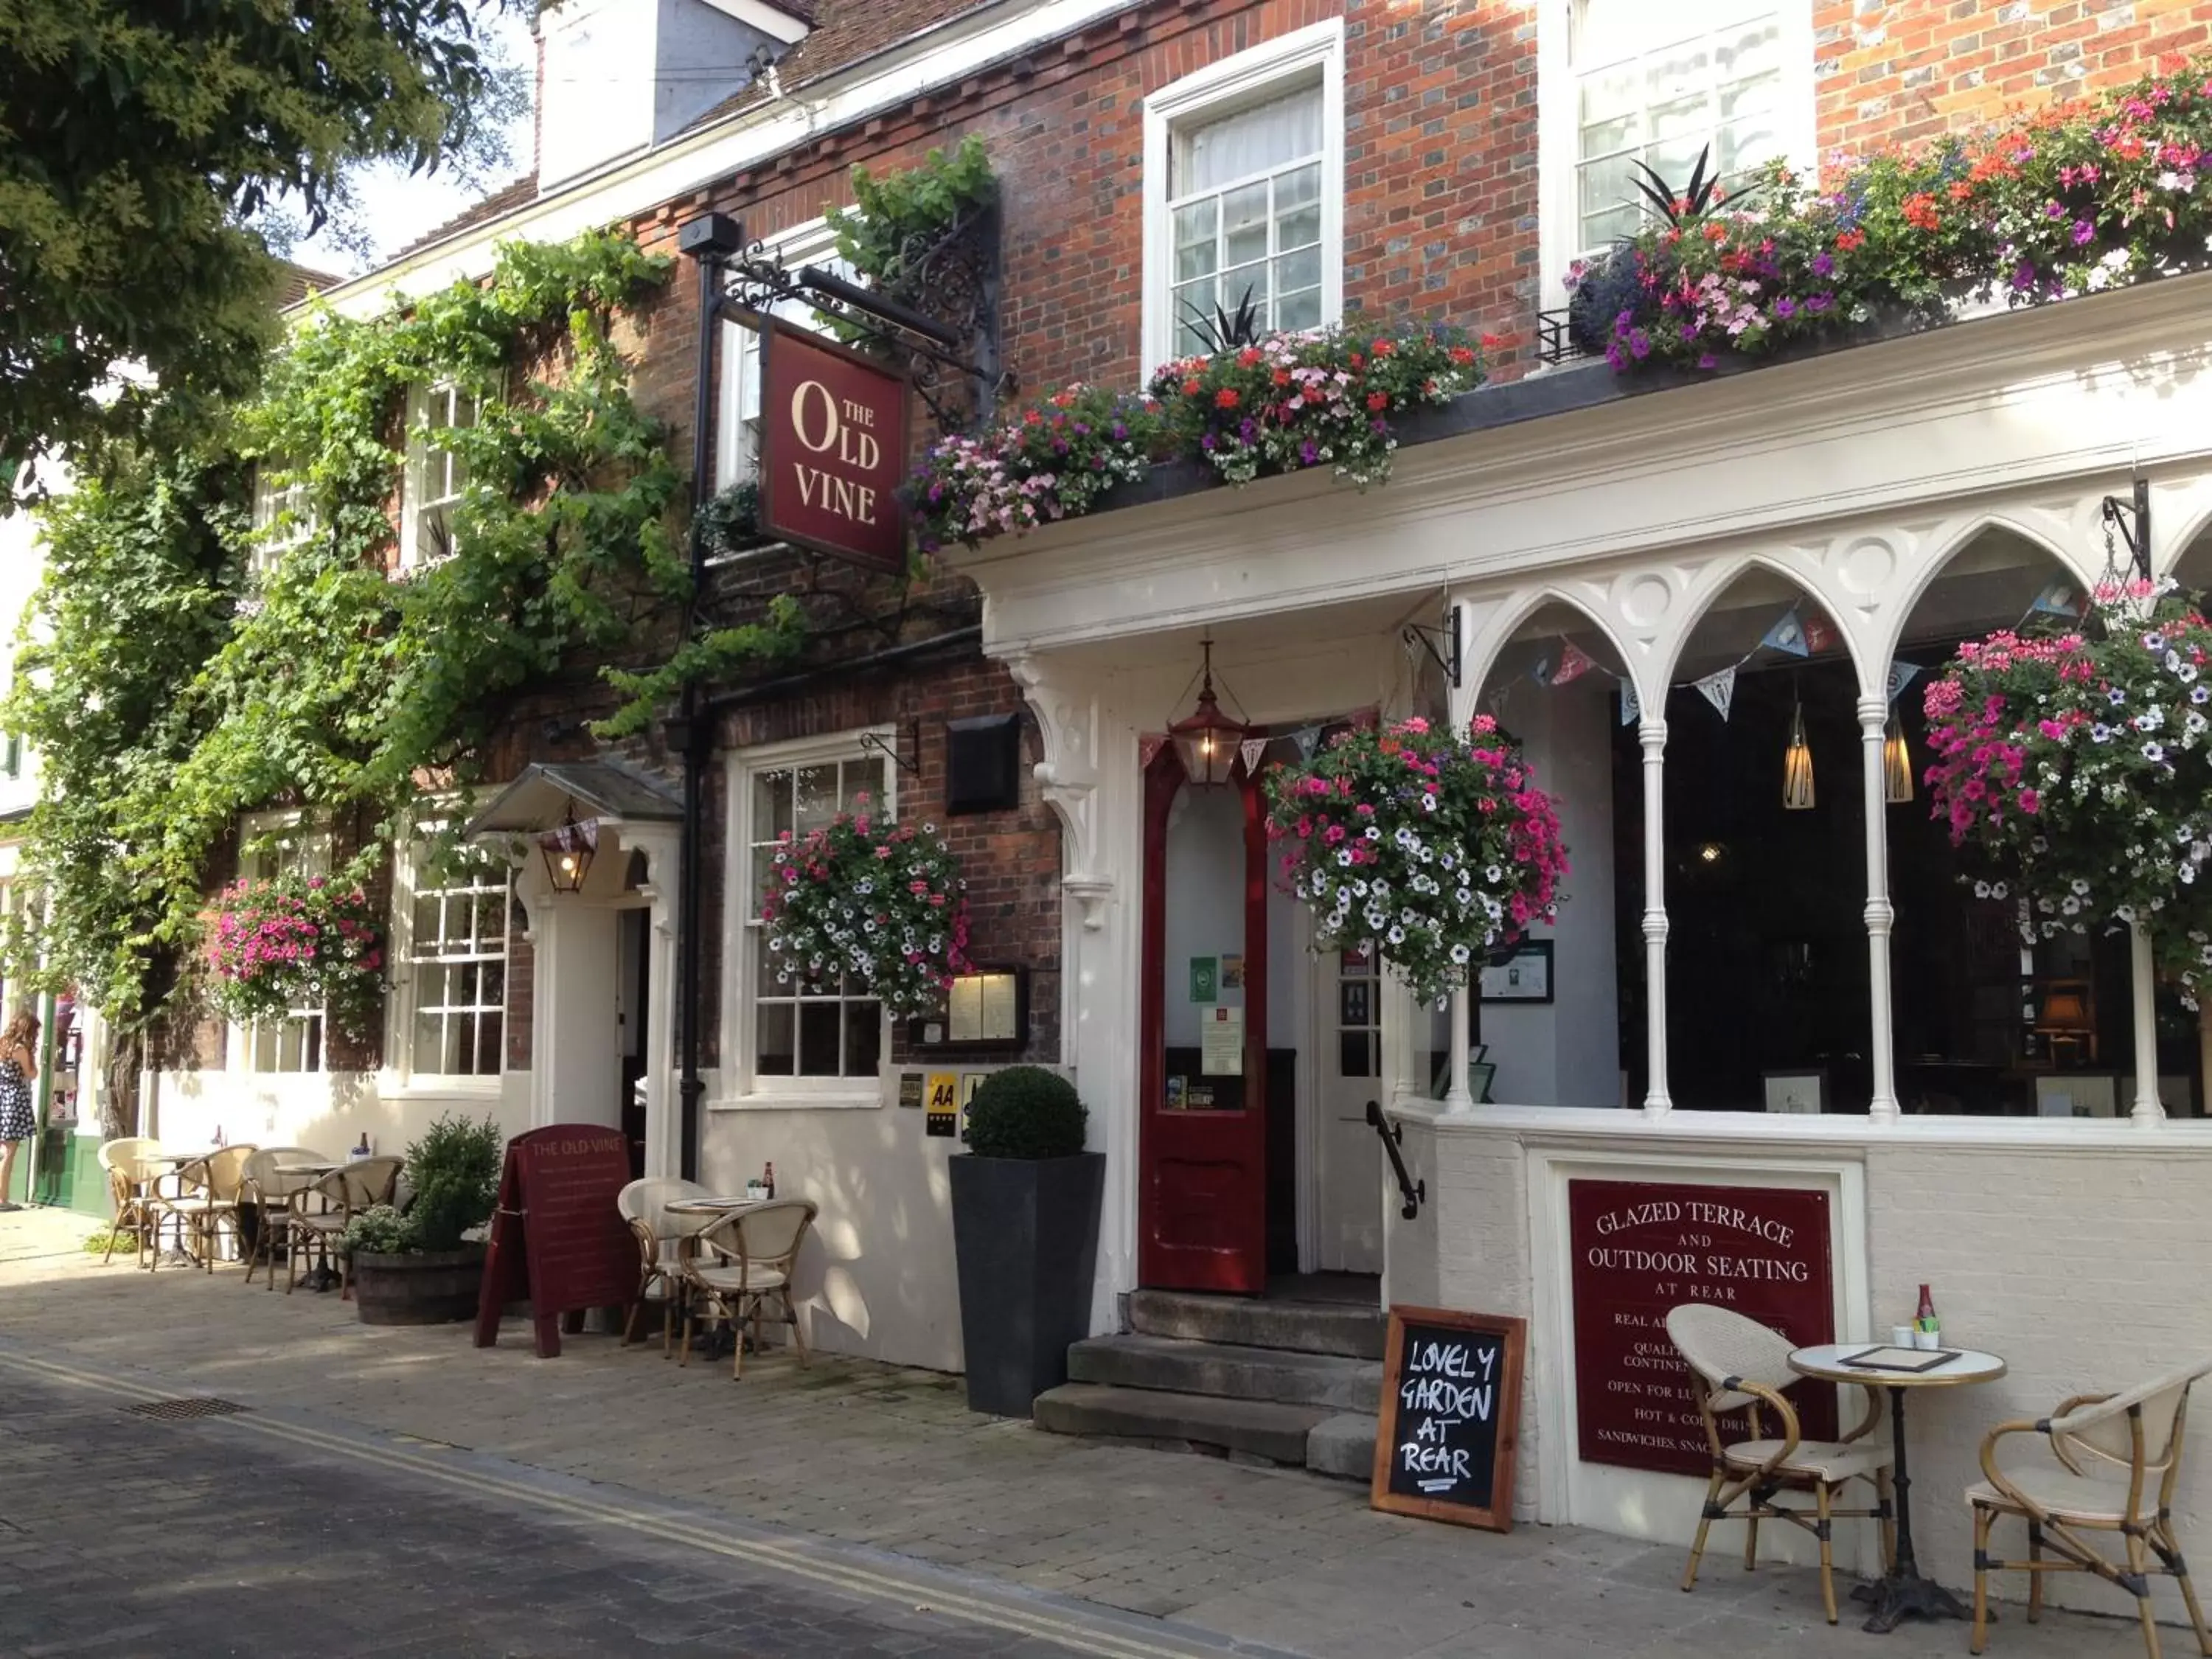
x=1203, y=1208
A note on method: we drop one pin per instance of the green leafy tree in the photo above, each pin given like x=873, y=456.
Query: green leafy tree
x=151, y=152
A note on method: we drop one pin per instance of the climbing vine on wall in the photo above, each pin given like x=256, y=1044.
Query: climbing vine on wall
x=172, y=688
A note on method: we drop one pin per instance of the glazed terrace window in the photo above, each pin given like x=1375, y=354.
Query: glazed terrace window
x=456, y=923
x=1244, y=192
x=1658, y=83
x=806, y=1037
x=437, y=476
x=738, y=435
x=274, y=846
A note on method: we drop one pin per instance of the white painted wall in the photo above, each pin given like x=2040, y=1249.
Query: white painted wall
x=1989, y=1215
x=1566, y=1052
x=329, y=1111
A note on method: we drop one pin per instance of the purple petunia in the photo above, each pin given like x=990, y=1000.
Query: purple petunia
x=2084, y=232
x=1823, y=265
x=1785, y=308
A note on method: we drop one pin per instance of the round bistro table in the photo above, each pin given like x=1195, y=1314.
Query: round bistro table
x=1904, y=1594
x=716, y=1341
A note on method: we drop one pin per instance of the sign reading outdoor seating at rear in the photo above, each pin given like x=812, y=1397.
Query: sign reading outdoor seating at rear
x=833, y=448
x=557, y=1238
x=1451, y=1412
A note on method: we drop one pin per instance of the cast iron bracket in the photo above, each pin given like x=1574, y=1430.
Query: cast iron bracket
x=1441, y=643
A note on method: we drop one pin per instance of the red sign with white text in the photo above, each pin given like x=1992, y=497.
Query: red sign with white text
x=833, y=448
x=1642, y=1249
x=557, y=1238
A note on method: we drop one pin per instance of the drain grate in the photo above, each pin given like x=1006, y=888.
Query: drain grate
x=177, y=1411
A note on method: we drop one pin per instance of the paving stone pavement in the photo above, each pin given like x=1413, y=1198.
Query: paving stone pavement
x=891, y=1459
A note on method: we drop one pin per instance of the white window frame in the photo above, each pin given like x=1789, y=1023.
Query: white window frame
x=285, y=518
x=1558, y=119
x=1247, y=78
x=241, y=1038
x=416, y=498
x=737, y=444
x=742, y=1088
x=403, y=1001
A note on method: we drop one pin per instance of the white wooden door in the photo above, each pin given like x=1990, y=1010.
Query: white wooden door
x=1348, y=1028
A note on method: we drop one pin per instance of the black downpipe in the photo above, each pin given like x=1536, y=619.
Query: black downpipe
x=694, y=729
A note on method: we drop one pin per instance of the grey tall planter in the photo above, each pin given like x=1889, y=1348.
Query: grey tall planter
x=1026, y=1234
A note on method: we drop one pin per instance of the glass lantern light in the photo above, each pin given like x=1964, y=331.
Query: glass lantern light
x=1207, y=739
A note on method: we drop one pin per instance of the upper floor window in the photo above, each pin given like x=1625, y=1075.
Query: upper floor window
x=799, y=1036
x=272, y=845
x=437, y=473
x=1659, y=84
x=737, y=437
x=453, y=924
x=283, y=516
x=1244, y=192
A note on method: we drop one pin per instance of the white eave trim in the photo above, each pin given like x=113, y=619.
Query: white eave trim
x=770, y=19
x=942, y=54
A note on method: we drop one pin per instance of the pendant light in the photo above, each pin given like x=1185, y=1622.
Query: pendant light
x=1896, y=763
x=1797, y=766
x=1205, y=738
x=568, y=852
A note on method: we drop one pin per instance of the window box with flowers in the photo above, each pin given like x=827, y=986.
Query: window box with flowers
x=1433, y=850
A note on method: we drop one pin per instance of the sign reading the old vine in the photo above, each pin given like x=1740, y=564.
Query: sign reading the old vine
x=557, y=1239
x=833, y=448
x=1642, y=1249
x=1451, y=1411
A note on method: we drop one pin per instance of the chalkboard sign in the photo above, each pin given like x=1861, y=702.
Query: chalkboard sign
x=557, y=1237
x=1451, y=1412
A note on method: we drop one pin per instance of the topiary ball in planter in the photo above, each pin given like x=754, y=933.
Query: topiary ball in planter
x=1025, y=1111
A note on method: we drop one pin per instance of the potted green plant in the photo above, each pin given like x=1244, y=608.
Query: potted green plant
x=418, y=1265
x=1025, y=1199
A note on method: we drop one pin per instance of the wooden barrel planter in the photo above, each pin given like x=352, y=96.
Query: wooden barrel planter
x=424, y=1287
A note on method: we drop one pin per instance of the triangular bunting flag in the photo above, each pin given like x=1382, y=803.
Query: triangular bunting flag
x=1540, y=671
x=1820, y=635
x=1788, y=634
x=1251, y=749
x=2061, y=596
x=1719, y=690
x=1497, y=700
x=1306, y=736
x=1148, y=748
x=1574, y=662
x=1631, y=710
x=1900, y=676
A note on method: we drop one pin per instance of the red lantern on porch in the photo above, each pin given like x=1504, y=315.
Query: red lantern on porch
x=1205, y=738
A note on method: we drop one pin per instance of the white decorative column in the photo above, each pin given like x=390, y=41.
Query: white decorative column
x=1651, y=732
x=2144, y=989
x=1459, y=1092
x=664, y=1135
x=1874, y=718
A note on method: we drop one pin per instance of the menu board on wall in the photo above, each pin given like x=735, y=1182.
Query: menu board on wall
x=1641, y=1248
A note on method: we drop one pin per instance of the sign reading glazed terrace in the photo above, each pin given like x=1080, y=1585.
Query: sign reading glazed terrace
x=833, y=448
x=1643, y=1247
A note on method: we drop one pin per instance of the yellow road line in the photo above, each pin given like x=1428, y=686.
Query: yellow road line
x=876, y=1583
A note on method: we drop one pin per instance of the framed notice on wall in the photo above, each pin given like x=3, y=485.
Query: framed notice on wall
x=1640, y=1249
x=1450, y=1418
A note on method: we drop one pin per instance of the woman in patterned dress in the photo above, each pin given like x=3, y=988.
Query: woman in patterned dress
x=19, y=1119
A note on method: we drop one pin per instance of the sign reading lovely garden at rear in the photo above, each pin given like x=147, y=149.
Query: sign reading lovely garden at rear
x=1641, y=1248
x=833, y=448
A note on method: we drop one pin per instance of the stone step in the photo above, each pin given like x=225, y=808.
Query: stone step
x=1252, y=1428
x=1326, y=1328
x=1343, y=1445
x=1178, y=1366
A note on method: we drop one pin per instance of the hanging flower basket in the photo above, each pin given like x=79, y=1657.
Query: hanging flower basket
x=864, y=900
x=285, y=944
x=2077, y=764
x=1433, y=850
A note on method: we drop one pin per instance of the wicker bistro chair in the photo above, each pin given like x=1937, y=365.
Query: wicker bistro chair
x=206, y=1195
x=739, y=1260
x=132, y=1176
x=1738, y=1365
x=317, y=1214
x=2115, y=1460
x=659, y=1237
x=270, y=1191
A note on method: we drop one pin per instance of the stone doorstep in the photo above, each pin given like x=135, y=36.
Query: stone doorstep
x=1138, y=1361
x=1311, y=1327
x=1297, y=1437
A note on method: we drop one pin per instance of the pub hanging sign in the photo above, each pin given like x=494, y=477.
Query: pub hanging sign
x=833, y=448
